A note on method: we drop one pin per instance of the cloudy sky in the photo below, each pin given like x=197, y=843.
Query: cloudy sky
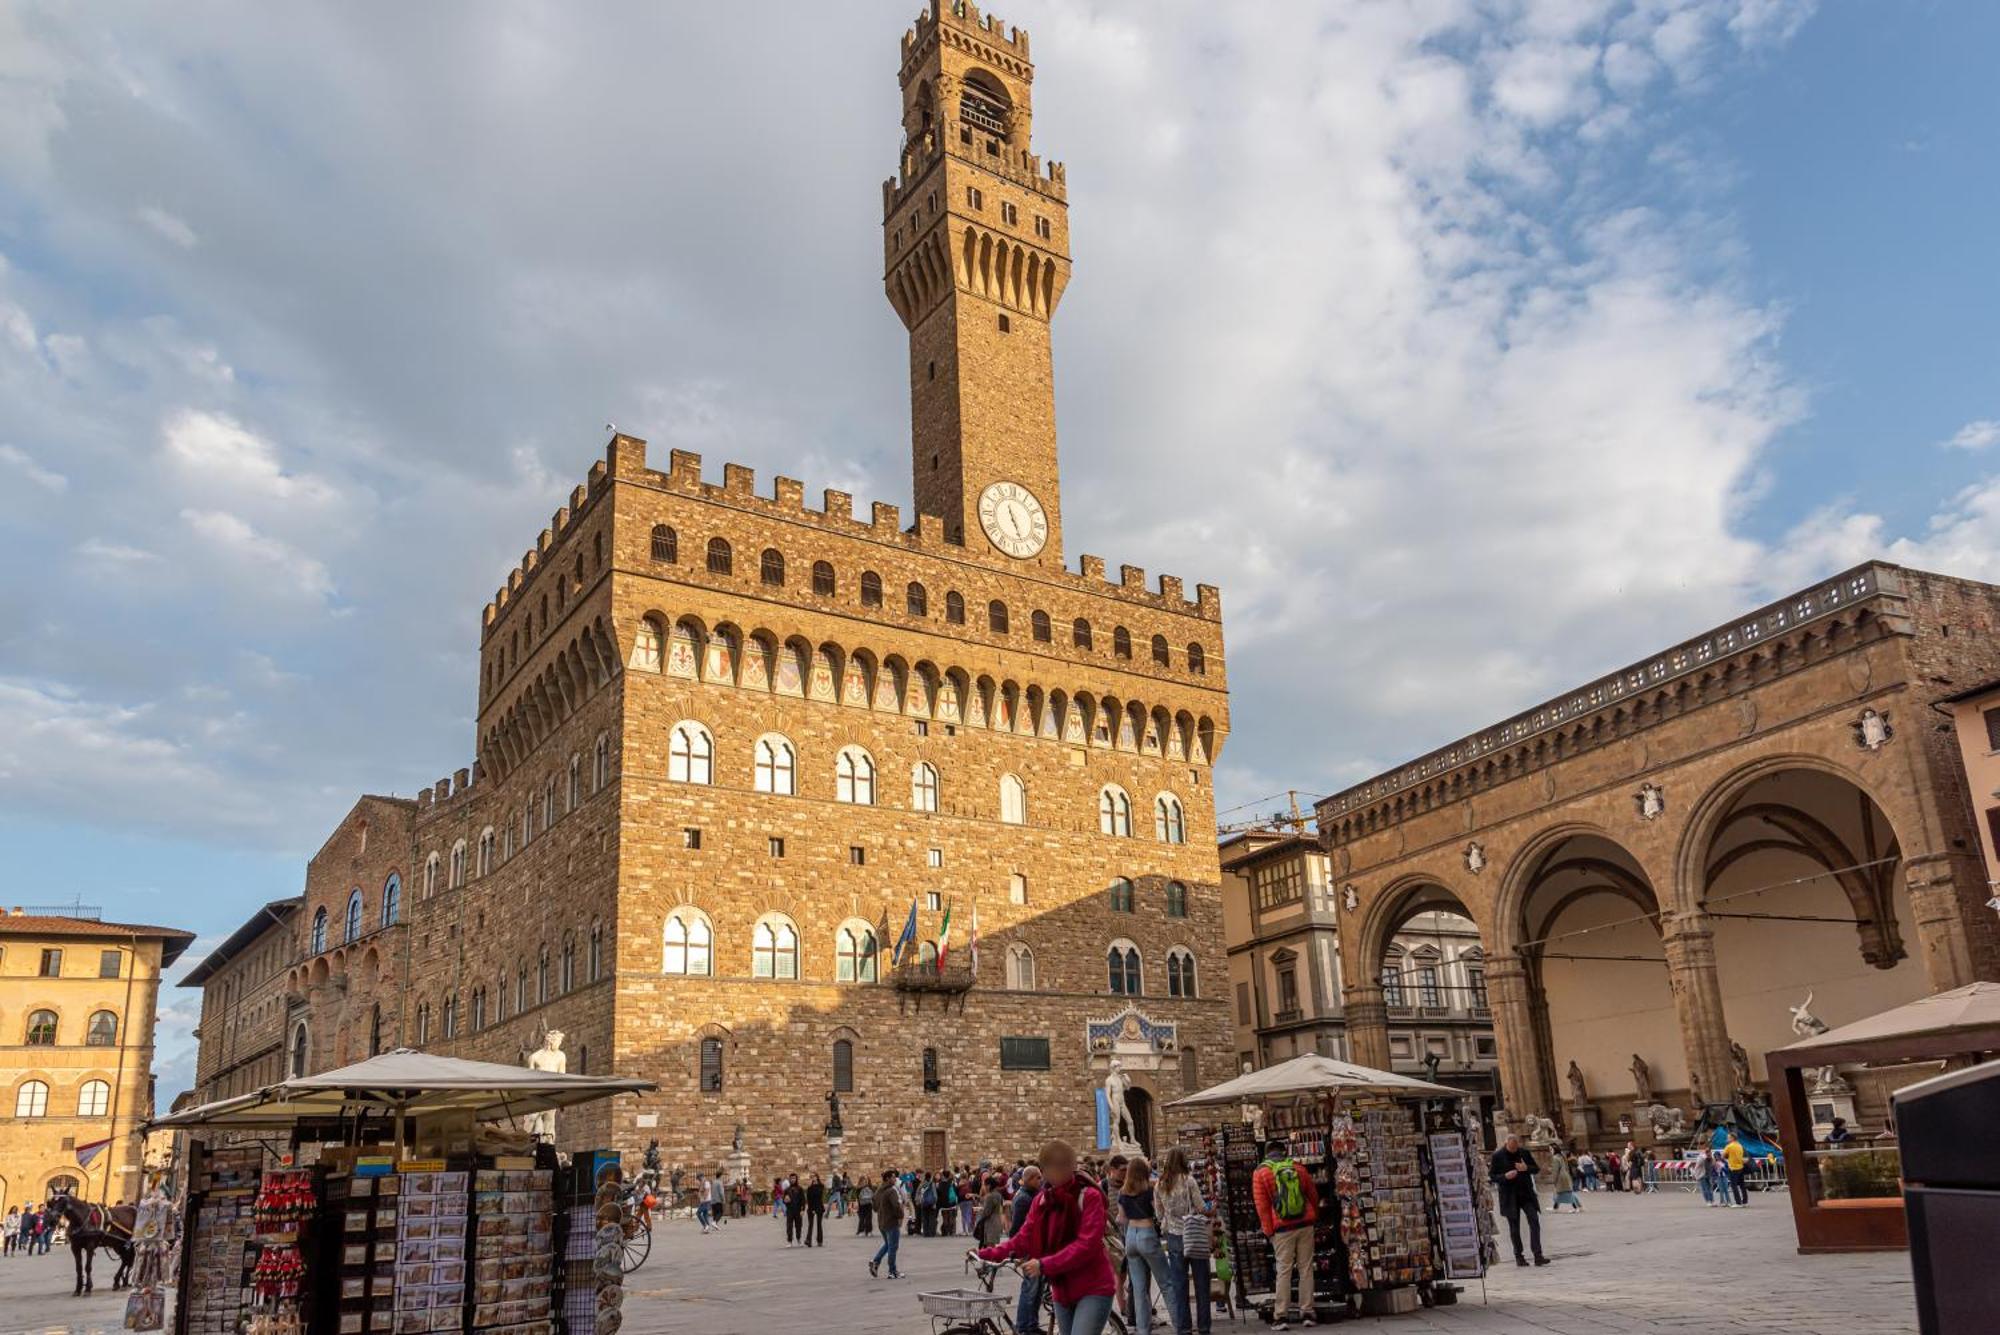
x=1473, y=349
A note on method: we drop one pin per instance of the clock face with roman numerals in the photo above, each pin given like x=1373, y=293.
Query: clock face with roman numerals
x=1013, y=519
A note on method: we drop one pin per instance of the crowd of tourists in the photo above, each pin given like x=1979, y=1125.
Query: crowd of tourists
x=29, y=1232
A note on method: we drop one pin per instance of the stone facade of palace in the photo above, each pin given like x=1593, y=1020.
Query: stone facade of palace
x=727, y=740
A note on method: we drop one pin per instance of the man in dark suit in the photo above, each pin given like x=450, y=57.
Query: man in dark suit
x=1513, y=1172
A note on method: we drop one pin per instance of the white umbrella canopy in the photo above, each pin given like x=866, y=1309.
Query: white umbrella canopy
x=1314, y=1074
x=415, y=1084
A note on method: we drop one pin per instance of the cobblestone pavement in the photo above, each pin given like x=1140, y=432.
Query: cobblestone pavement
x=1661, y=1263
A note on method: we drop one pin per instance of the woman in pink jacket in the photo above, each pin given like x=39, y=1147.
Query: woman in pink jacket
x=1062, y=1240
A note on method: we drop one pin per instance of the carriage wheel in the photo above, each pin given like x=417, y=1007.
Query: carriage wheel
x=638, y=1246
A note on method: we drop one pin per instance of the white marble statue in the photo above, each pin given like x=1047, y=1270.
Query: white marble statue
x=548, y=1057
x=1124, y=1135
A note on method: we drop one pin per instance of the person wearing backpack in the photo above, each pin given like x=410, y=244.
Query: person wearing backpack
x=1287, y=1208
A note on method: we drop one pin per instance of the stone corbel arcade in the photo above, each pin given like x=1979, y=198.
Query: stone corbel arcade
x=1664, y=875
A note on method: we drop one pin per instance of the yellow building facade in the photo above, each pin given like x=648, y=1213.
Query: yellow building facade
x=77, y=1005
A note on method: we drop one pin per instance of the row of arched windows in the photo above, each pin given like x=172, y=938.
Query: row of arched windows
x=538, y=815
x=720, y=559
x=93, y=1099
x=100, y=1031
x=553, y=974
x=1126, y=971
x=760, y=661
x=774, y=768
x=354, y=921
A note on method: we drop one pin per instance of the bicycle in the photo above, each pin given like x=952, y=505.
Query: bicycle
x=984, y=1312
x=635, y=1208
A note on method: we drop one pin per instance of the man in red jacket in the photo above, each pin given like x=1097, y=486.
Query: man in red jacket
x=1287, y=1206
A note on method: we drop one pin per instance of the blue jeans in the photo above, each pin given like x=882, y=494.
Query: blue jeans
x=1144, y=1256
x=701, y=1213
x=891, y=1236
x=1028, y=1307
x=1184, y=1270
x=1087, y=1317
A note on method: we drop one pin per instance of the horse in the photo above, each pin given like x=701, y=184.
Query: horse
x=94, y=1226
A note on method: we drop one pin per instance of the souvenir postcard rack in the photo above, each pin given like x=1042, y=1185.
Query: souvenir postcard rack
x=218, y=1241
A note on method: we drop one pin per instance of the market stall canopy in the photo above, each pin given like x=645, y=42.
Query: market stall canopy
x=1964, y=1010
x=1314, y=1074
x=415, y=1084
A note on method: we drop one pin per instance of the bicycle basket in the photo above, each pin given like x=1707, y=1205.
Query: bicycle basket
x=964, y=1304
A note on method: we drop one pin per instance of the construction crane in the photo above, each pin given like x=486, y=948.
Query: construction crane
x=1299, y=821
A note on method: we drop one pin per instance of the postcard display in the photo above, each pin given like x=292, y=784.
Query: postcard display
x=218, y=1246
x=1401, y=1200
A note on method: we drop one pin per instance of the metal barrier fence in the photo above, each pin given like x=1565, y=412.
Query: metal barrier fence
x=1685, y=1174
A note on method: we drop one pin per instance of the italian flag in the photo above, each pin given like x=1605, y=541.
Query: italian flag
x=944, y=937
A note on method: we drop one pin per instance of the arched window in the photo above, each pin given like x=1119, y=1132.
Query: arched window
x=1176, y=900
x=102, y=1031
x=690, y=944
x=711, y=1066
x=600, y=763
x=375, y=1031
x=924, y=787
x=1020, y=968
x=1169, y=824
x=458, y=864
x=353, y=925
x=1197, y=661
x=41, y=1029
x=721, y=561
x=596, y=950
x=542, y=975
x=954, y=608
x=392, y=900
x=32, y=1100
x=93, y=1098
x=319, y=930
x=776, y=765
x=666, y=544
x=996, y=617
x=1121, y=643
x=1160, y=650
x=1123, y=898
x=871, y=589
x=854, y=777
x=854, y=951
x=690, y=754
x=648, y=647
x=486, y=851
x=823, y=578
x=569, y=962
x=774, y=951
x=575, y=798
x=1038, y=622
x=843, y=1066
x=298, y=1051
x=423, y=1022
x=916, y=601
x=927, y=955
x=1180, y=972
x=1013, y=800
x=771, y=567
x=933, y=1082
x=1079, y=633
x=548, y=812
x=1122, y=967
x=478, y=1009
x=1114, y=811
x=431, y=875
x=451, y=1016
x=521, y=990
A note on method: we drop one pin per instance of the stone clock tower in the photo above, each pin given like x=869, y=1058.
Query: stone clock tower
x=976, y=249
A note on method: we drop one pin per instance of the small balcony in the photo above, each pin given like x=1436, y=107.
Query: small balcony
x=922, y=976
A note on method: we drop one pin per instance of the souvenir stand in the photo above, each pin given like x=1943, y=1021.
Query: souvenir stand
x=406, y=1204
x=1404, y=1203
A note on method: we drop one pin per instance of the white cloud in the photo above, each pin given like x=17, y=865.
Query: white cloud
x=260, y=556
x=1962, y=538
x=1975, y=435
x=219, y=451
x=168, y=225
x=24, y=464
x=99, y=552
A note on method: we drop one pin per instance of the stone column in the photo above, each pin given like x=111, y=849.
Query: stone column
x=1689, y=941
x=1523, y=1082
x=1940, y=925
x=1367, y=1025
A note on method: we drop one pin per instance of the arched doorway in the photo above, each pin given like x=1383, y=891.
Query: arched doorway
x=1598, y=987
x=1802, y=879
x=65, y=1184
x=1139, y=1103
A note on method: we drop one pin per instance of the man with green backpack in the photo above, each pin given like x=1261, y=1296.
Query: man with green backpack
x=1287, y=1208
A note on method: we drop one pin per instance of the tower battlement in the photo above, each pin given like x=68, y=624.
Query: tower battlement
x=1018, y=165
x=962, y=18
